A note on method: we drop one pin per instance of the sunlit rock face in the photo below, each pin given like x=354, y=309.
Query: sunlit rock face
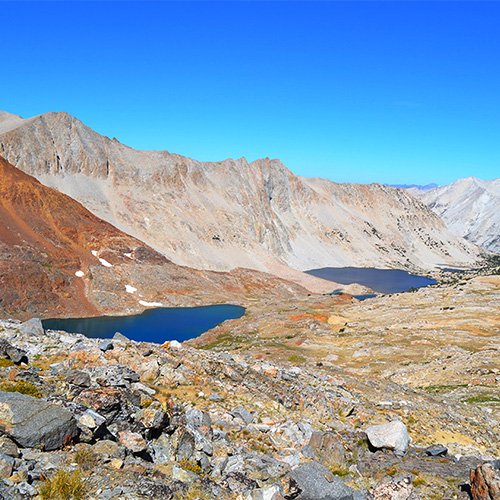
x=470, y=208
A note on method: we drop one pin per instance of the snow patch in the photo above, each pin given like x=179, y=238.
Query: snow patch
x=150, y=304
x=94, y=253
x=105, y=263
x=130, y=288
x=79, y=274
x=129, y=255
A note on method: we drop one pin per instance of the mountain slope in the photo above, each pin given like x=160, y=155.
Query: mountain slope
x=222, y=215
x=58, y=259
x=470, y=208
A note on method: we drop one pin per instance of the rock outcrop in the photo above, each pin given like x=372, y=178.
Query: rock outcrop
x=231, y=213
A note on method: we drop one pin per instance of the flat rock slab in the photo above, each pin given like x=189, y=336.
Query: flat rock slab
x=32, y=422
x=313, y=481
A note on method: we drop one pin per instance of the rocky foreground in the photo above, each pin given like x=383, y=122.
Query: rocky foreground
x=86, y=418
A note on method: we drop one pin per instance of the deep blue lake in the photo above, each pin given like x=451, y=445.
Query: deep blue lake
x=153, y=325
x=380, y=280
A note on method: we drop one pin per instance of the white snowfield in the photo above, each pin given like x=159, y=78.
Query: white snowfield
x=79, y=274
x=130, y=288
x=105, y=263
x=150, y=304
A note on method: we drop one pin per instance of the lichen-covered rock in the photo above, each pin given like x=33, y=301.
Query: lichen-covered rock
x=393, y=489
x=485, y=482
x=33, y=422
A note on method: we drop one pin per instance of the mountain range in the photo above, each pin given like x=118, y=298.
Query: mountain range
x=231, y=214
x=470, y=208
x=58, y=259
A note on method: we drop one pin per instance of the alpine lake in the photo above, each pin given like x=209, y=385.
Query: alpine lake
x=182, y=323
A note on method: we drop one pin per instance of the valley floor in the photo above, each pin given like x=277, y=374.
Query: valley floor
x=235, y=412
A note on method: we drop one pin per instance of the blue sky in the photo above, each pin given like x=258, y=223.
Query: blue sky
x=392, y=92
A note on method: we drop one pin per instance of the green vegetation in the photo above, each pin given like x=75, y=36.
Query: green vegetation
x=63, y=485
x=482, y=398
x=23, y=387
x=297, y=359
x=341, y=472
x=442, y=388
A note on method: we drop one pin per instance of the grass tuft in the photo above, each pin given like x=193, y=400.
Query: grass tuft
x=63, y=485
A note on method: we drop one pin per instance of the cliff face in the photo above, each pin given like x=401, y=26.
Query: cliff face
x=58, y=259
x=232, y=213
x=470, y=208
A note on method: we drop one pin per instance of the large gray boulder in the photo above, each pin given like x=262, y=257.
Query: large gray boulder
x=392, y=436
x=313, y=481
x=32, y=327
x=32, y=422
x=13, y=353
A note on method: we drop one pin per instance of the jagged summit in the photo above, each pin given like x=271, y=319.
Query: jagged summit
x=227, y=214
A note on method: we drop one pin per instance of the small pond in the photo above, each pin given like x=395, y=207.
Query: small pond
x=153, y=325
x=379, y=280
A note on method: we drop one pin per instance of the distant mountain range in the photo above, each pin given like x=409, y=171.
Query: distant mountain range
x=470, y=208
x=417, y=186
x=222, y=215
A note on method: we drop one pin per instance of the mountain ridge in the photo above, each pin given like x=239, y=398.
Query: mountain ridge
x=58, y=259
x=470, y=207
x=227, y=214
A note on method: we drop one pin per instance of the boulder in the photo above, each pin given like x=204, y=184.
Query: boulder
x=132, y=441
x=106, y=345
x=436, y=450
x=13, y=353
x=6, y=466
x=485, y=482
x=8, y=447
x=120, y=337
x=116, y=375
x=328, y=448
x=392, y=436
x=32, y=327
x=32, y=422
x=313, y=481
x=242, y=413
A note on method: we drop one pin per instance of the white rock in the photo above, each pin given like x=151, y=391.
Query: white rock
x=175, y=345
x=393, y=436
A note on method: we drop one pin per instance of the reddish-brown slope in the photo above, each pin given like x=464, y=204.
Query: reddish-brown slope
x=46, y=236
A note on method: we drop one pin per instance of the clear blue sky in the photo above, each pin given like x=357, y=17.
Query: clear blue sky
x=394, y=92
